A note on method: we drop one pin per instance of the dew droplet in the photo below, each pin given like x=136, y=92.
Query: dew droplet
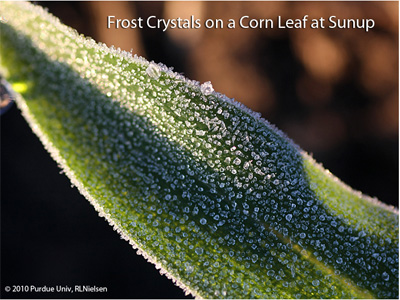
x=199, y=251
x=207, y=88
x=385, y=276
x=236, y=161
x=153, y=70
x=203, y=221
x=315, y=282
x=189, y=269
x=288, y=217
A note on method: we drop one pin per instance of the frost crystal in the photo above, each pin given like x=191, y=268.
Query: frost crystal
x=207, y=88
x=199, y=251
x=153, y=70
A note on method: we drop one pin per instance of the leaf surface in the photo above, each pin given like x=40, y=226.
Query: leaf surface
x=217, y=198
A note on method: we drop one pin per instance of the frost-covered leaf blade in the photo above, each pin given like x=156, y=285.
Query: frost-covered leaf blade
x=215, y=196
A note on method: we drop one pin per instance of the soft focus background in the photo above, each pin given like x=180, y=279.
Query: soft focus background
x=333, y=91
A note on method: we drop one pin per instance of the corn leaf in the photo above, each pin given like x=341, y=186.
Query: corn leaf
x=221, y=201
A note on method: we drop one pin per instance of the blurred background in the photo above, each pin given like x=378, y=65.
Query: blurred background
x=333, y=91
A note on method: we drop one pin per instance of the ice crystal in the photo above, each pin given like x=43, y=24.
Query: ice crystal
x=153, y=70
x=207, y=88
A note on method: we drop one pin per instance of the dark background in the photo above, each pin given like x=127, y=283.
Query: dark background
x=334, y=92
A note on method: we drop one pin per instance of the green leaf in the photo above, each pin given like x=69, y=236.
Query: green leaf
x=221, y=201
